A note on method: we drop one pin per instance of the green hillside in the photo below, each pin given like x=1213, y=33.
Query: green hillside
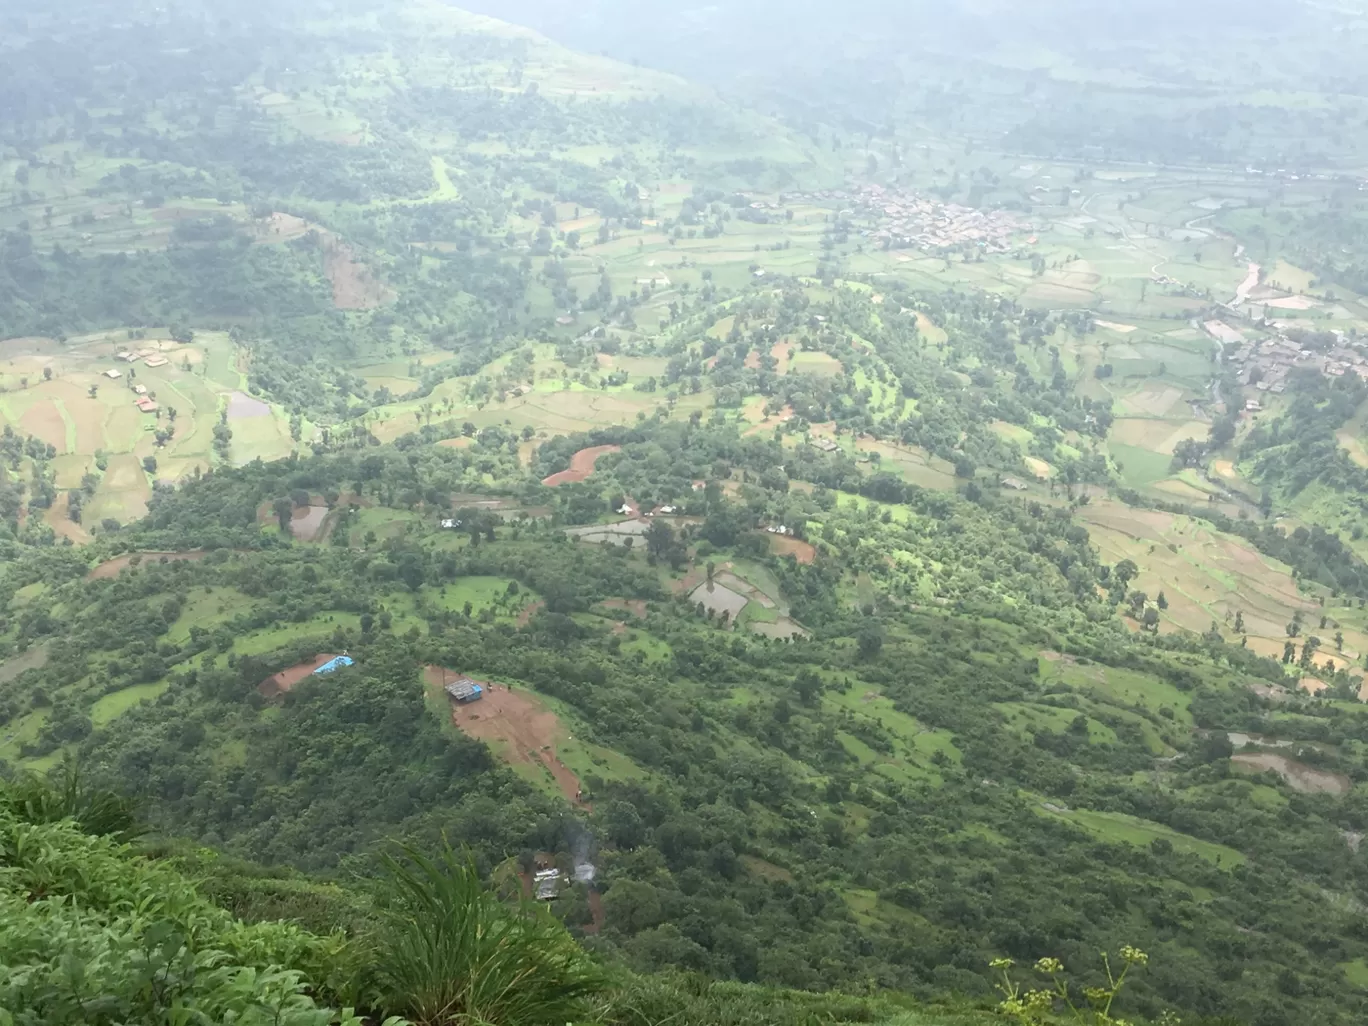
x=959, y=713
x=98, y=930
x=891, y=534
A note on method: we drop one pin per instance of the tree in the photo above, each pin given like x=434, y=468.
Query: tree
x=1151, y=620
x=1123, y=573
x=1239, y=621
x=47, y=373
x=1222, y=431
x=623, y=826
x=1162, y=602
x=869, y=640
x=808, y=686
x=284, y=511
x=149, y=464
x=1188, y=453
x=633, y=904
x=660, y=539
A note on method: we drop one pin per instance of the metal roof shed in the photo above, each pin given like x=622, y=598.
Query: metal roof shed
x=464, y=689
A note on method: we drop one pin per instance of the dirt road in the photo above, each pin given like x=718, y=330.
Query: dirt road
x=581, y=465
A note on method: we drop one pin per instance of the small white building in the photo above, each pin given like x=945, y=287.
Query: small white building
x=113, y=375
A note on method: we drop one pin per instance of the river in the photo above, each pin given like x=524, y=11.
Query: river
x=1247, y=286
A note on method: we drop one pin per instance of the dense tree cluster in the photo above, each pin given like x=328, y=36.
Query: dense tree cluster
x=757, y=808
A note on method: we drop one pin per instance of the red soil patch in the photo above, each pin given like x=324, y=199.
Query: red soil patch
x=528, y=611
x=517, y=726
x=595, y=910
x=57, y=517
x=780, y=352
x=800, y=550
x=457, y=443
x=43, y=421
x=111, y=567
x=354, y=286
x=581, y=465
x=752, y=360
x=279, y=683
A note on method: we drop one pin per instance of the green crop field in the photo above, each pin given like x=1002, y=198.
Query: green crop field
x=1113, y=826
x=116, y=703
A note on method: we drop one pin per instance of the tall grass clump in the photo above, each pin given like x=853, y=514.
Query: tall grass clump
x=449, y=951
x=67, y=796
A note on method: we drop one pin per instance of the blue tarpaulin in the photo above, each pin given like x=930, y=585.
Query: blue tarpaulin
x=464, y=689
x=335, y=664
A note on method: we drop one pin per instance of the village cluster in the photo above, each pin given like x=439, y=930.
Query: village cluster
x=1265, y=364
x=152, y=358
x=908, y=219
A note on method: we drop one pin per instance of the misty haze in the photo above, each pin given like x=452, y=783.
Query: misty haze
x=652, y=513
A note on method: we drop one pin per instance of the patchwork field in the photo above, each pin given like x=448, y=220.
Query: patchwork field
x=80, y=397
x=1207, y=577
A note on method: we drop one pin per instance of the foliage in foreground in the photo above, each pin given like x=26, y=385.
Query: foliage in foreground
x=90, y=933
x=450, y=950
x=96, y=811
x=1086, y=1006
